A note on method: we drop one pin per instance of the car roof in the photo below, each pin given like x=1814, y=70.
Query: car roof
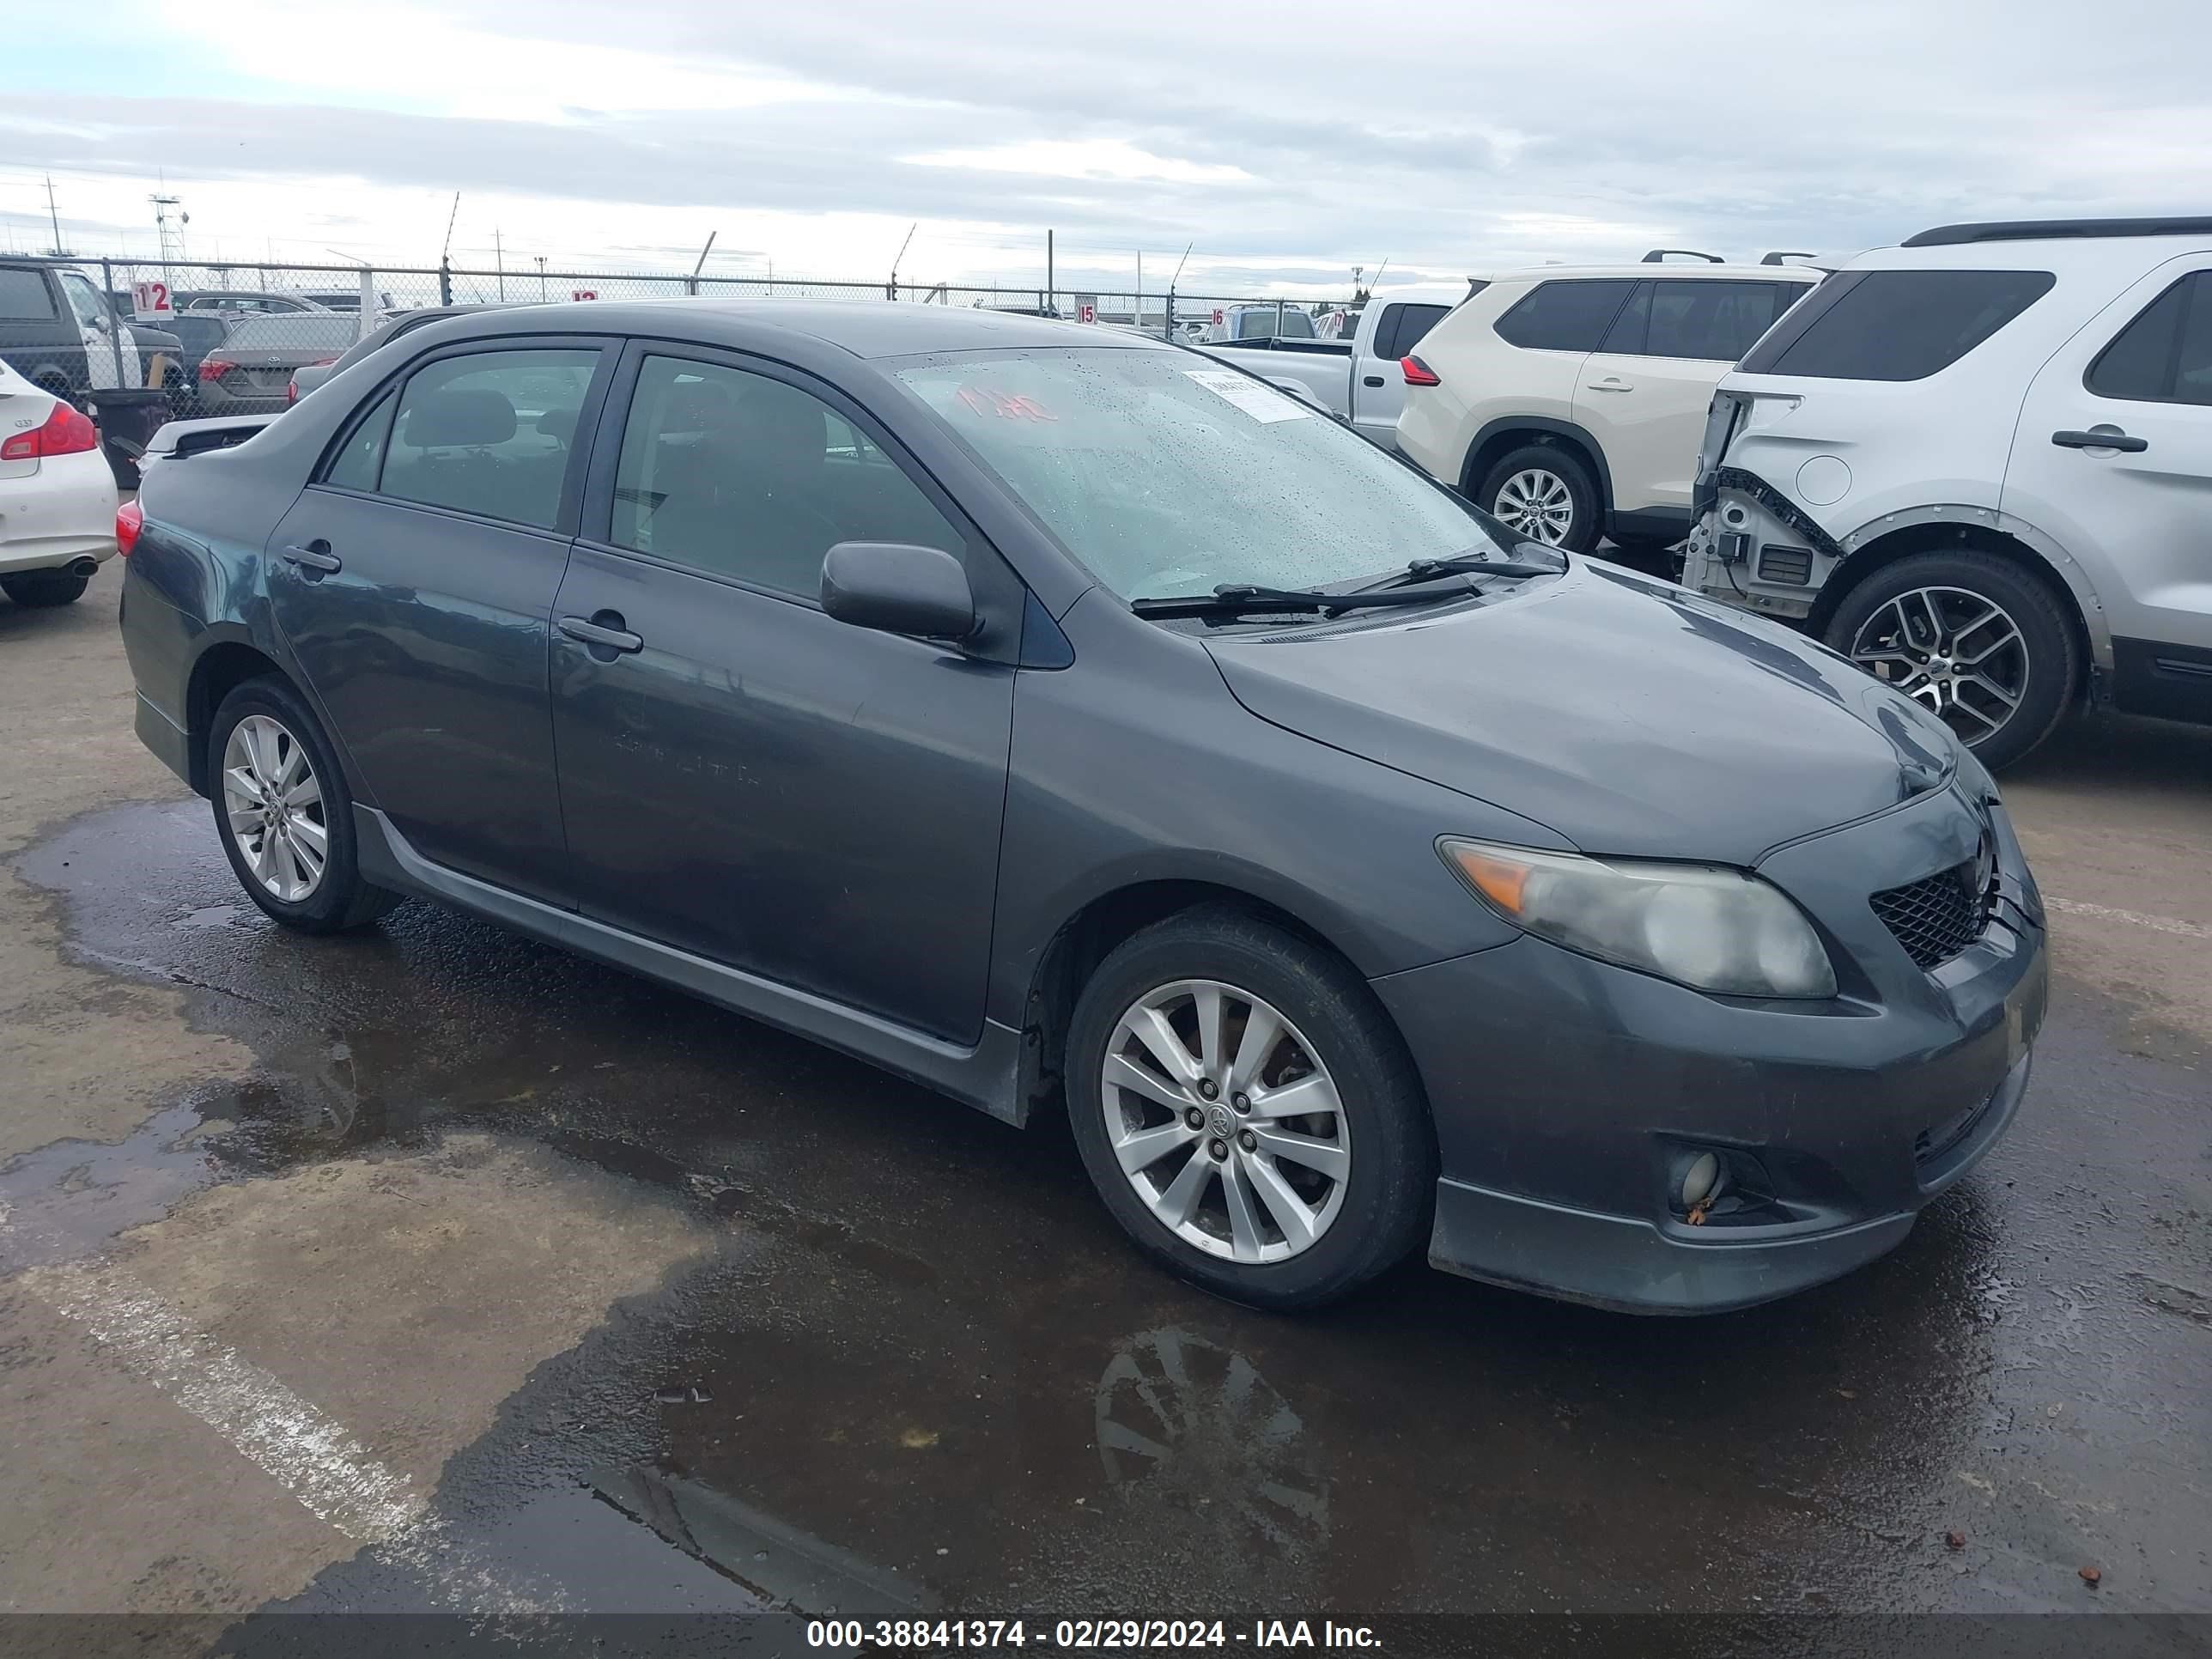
x=1667, y=270
x=864, y=328
x=1419, y=292
x=2057, y=254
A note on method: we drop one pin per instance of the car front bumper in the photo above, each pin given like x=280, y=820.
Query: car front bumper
x=1569, y=1095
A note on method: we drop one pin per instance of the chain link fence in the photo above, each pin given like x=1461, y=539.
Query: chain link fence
x=225, y=339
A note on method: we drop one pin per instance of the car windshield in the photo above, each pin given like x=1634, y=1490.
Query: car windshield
x=1166, y=474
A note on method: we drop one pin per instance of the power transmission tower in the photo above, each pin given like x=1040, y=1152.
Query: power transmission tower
x=171, y=238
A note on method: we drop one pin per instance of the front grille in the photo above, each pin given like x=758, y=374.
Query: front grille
x=1936, y=917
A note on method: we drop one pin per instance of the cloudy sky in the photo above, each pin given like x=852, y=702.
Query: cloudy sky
x=1289, y=142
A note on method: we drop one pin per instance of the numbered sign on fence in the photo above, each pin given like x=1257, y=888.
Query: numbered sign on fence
x=583, y=293
x=149, y=302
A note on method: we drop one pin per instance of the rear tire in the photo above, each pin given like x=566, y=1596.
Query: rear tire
x=1284, y=1210
x=284, y=814
x=37, y=589
x=1544, y=493
x=1965, y=634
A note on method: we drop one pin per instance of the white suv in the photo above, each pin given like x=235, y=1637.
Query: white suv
x=1569, y=401
x=1980, y=465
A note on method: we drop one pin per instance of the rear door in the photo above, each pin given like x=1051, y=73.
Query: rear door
x=2136, y=512
x=742, y=776
x=1556, y=325
x=1378, y=385
x=1645, y=392
x=414, y=581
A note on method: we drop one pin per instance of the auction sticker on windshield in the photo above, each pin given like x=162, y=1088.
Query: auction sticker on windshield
x=1256, y=399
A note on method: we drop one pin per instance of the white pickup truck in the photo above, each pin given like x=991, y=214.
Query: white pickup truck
x=1358, y=379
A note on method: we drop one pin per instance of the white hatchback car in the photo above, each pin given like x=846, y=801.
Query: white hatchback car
x=1569, y=400
x=57, y=495
x=1980, y=465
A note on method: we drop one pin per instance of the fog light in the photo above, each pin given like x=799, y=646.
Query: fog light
x=1700, y=1180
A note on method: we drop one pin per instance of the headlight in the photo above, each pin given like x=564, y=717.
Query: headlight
x=1712, y=929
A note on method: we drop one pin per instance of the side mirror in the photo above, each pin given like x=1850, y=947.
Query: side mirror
x=897, y=588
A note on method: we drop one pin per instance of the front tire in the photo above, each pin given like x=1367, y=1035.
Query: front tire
x=1545, y=494
x=1975, y=638
x=284, y=814
x=1247, y=1112
x=38, y=589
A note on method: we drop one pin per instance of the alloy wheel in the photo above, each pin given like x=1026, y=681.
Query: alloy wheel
x=274, y=805
x=1952, y=649
x=1538, y=504
x=1225, y=1122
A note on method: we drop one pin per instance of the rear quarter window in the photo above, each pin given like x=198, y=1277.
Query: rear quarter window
x=1894, y=325
x=1565, y=315
x=25, y=298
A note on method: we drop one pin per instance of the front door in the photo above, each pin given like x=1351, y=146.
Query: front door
x=742, y=776
x=110, y=352
x=414, y=582
x=2135, y=512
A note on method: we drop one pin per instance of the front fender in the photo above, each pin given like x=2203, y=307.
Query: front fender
x=1857, y=543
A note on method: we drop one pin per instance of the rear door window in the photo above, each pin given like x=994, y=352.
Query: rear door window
x=1565, y=315
x=1895, y=325
x=490, y=433
x=360, y=459
x=2165, y=356
x=1712, y=321
x=24, y=297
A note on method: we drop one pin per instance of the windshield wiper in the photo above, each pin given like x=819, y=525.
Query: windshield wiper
x=1240, y=599
x=1471, y=564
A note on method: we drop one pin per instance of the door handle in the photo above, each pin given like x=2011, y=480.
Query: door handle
x=2106, y=437
x=602, y=628
x=316, y=557
x=1370, y=380
x=1611, y=383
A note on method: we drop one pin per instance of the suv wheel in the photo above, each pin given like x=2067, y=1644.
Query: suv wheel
x=44, y=587
x=284, y=811
x=1979, y=640
x=1545, y=494
x=1247, y=1113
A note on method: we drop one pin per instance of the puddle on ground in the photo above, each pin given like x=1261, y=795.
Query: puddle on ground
x=927, y=1362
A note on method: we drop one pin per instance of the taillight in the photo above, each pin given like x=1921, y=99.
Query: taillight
x=128, y=521
x=213, y=368
x=1418, y=373
x=67, y=432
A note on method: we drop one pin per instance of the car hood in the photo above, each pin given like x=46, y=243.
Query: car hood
x=1629, y=715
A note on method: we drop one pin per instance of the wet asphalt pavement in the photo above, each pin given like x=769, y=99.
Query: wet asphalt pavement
x=913, y=1367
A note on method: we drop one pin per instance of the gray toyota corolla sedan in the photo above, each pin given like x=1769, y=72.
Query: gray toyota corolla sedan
x=1049, y=714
